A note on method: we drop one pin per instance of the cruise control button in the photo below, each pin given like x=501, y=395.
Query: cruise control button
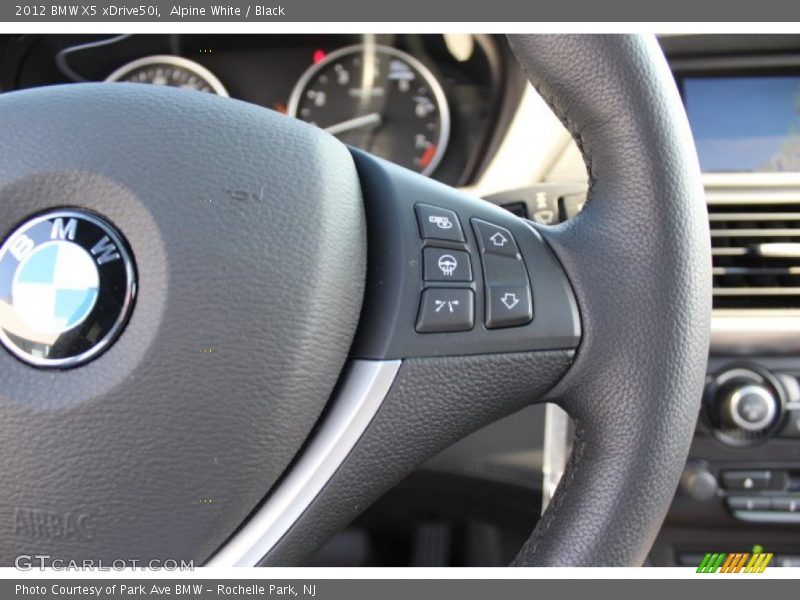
x=441, y=264
x=438, y=223
x=785, y=504
x=494, y=239
x=748, y=503
x=508, y=306
x=445, y=309
x=746, y=480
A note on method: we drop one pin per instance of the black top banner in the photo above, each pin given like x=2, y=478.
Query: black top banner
x=461, y=11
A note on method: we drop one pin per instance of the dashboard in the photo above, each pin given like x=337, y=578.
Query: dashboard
x=435, y=104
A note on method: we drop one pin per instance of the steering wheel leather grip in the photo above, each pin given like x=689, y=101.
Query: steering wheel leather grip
x=638, y=257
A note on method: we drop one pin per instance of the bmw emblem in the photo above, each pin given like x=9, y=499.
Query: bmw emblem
x=67, y=283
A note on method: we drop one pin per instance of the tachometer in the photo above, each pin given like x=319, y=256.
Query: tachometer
x=379, y=99
x=173, y=71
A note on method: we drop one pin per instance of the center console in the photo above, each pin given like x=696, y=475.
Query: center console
x=741, y=484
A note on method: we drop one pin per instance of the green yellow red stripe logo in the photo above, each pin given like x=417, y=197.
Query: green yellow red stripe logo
x=736, y=562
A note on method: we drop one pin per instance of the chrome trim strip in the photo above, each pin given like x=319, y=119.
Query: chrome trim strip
x=555, y=452
x=749, y=197
x=759, y=516
x=755, y=331
x=756, y=291
x=174, y=61
x=366, y=384
x=778, y=250
x=751, y=180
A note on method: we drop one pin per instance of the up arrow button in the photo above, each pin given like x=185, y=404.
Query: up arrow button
x=498, y=240
x=494, y=239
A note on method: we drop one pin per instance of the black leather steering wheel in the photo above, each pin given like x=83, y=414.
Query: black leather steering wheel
x=289, y=355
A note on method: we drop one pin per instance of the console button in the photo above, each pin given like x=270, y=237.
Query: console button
x=508, y=306
x=750, y=407
x=441, y=264
x=545, y=208
x=494, y=239
x=790, y=385
x=746, y=480
x=748, y=503
x=785, y=504
x=698, y=482
x=446, y=309
x=792, y=427
x=438, y=223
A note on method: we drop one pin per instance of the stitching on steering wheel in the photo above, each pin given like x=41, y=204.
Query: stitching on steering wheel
x=576, y=455
x=561, y=492
x=571, y=127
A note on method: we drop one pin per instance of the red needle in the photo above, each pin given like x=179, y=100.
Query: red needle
x=427, y=156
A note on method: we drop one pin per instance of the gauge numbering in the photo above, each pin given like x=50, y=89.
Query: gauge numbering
x=378, y=99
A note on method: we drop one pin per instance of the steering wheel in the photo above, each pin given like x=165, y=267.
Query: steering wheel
x=282, y=327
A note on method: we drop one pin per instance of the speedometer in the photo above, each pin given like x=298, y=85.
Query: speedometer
x=379, y=99
x=172, y=71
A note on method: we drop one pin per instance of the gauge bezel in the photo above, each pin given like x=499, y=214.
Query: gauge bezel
x=433, y=83
x=173, y=61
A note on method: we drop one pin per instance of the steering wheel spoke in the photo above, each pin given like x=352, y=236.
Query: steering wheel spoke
x=467, y=317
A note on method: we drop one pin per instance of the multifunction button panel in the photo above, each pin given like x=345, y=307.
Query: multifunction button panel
x=506, y=290
x=763, y=495
x=506, y=283
x=452, y=275
x=745, y=448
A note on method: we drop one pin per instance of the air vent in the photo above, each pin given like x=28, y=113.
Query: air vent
x=755, y=241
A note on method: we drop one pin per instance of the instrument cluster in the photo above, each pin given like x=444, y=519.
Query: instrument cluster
x=435, y=104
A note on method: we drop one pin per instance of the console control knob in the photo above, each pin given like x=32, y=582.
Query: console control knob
x=699, y=483
x=744, y=404
x=749, y=407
